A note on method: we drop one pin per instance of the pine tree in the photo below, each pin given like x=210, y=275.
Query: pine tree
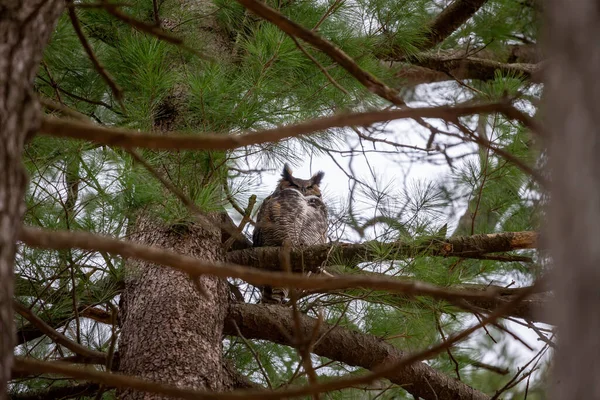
x=186, y=82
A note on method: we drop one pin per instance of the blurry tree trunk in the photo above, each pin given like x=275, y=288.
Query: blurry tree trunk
x=25, y=26
x=170, y=333
x=573, y=122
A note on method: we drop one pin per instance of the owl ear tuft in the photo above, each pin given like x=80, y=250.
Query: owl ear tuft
x=317, y=178
x=287, y=173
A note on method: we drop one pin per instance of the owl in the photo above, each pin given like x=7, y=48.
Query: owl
x=295, y=213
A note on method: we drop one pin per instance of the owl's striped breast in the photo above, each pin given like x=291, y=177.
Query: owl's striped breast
x=288, y=215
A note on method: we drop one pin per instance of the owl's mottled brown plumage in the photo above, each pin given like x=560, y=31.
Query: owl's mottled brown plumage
x=293, y=213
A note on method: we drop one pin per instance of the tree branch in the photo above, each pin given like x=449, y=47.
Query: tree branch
x=59, y=338
x=443, y=65
x=369, y=81
x=449, y=20
x=462, y=67
x=314, y=257
x=59, y=240
x=129, y=138
x=276, y=324
x=114, y=87
x=531, y=308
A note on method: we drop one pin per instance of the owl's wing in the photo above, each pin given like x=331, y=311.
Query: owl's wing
x=258, y=233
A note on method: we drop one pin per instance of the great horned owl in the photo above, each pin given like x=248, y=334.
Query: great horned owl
x=293, y=213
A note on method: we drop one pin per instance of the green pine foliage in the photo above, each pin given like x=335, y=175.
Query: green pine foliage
x=262, y=80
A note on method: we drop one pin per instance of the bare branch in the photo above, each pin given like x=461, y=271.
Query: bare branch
x=59, y=338
x=493, y=368
x=129, y=138
x=59, y=240
x=116, y=89
x=449, y=20
x=314, y=257
x=463, y=67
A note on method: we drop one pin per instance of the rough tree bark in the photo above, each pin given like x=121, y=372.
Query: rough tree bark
x=315, y=257
x=170, y=332
x=573, y=118
x=25, y=27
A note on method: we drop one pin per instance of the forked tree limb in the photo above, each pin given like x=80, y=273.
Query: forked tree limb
x=478, y=68
x=443, y=65
x=383, y=368
x=276, y=324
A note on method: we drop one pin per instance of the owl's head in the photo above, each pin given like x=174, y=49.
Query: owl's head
x=308, y=187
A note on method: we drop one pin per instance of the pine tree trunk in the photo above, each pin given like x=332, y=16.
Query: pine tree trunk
x=170, y=332
x=25, y=27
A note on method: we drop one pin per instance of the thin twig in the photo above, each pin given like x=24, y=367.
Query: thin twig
x=245, y=219
x=493, y=368
x=52, y=82
x=59, y=338
x=151, y=29
x=254, y=354
x=80, y=98
x=441, y=331
x=323, y=70
x=116, y=89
